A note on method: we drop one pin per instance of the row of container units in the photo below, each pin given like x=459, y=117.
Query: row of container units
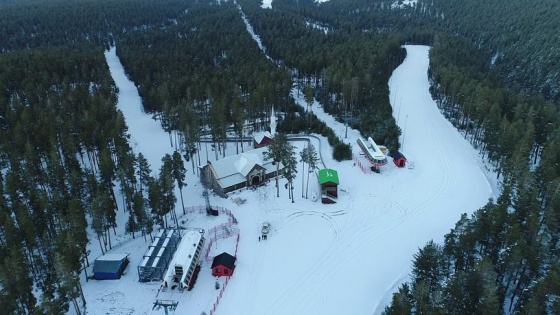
x=156, y=259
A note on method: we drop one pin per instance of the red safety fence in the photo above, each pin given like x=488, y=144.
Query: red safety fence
x=221, y=231
x=224, y=286
x=366, y=169
x=219, y=297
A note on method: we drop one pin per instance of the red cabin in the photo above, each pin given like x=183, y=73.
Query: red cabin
x=223, y=265
x=261, y=139
x=399, y=159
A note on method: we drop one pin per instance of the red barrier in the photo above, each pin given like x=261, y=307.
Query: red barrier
x=215, y=306
x=221, y=231
x=364, y=169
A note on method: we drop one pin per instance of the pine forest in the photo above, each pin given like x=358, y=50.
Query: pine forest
x=65, y=154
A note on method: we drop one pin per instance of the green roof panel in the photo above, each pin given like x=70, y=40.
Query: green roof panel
x=328, y=175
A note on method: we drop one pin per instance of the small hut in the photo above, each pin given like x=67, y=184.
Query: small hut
x=328, y=180
x=223, y=265
x=399, y=159
x=110, y=266
x=261, y=139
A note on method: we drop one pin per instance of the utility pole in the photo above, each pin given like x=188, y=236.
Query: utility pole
x=404, y=132
x=346, y=127
x=399, y=114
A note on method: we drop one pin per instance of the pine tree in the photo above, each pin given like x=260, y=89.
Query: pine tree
x=277, y=150
x=428, y=266
x=303, y=159
x=155, y=200
x=99, y=222
x=179, y=173
x=107, y=172
x=312, y=160
x=143, y=218
x=290, y=169
x=167, y=186
x=402, y=302
x=143, y=172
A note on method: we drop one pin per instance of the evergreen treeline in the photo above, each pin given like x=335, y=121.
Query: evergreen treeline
x=347, y=68
x=206, y=57
x=520, y=36
x=207, y=72
x=504, y=259
x=64, y=146
x=60, y=139
x=38, y=23
x=64, y=153
x=205, y=76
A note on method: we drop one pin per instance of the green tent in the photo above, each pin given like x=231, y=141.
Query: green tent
x=328, y=175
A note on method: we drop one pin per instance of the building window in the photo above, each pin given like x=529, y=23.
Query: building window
x=217, y=270
x=226, y=271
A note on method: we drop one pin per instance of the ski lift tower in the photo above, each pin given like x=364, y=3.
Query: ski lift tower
x=206, y=193
x=168, y=305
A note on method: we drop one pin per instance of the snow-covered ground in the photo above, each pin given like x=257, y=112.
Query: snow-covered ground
x=344, y=258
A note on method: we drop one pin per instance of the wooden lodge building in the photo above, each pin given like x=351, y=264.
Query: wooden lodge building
x=245, y=169
x=238, y=171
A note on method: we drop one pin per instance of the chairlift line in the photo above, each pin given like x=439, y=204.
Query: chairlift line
x=372, y=152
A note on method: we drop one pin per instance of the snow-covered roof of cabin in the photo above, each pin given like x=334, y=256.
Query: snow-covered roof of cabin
x=109, y=263
x=259, y=136
x=112, y=257
x=246, y=162
x=233, y=169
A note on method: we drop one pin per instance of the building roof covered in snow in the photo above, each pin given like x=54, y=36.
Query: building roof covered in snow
x=187, y=249
x=233, y=169
x=260, y=136
x=109, y=263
